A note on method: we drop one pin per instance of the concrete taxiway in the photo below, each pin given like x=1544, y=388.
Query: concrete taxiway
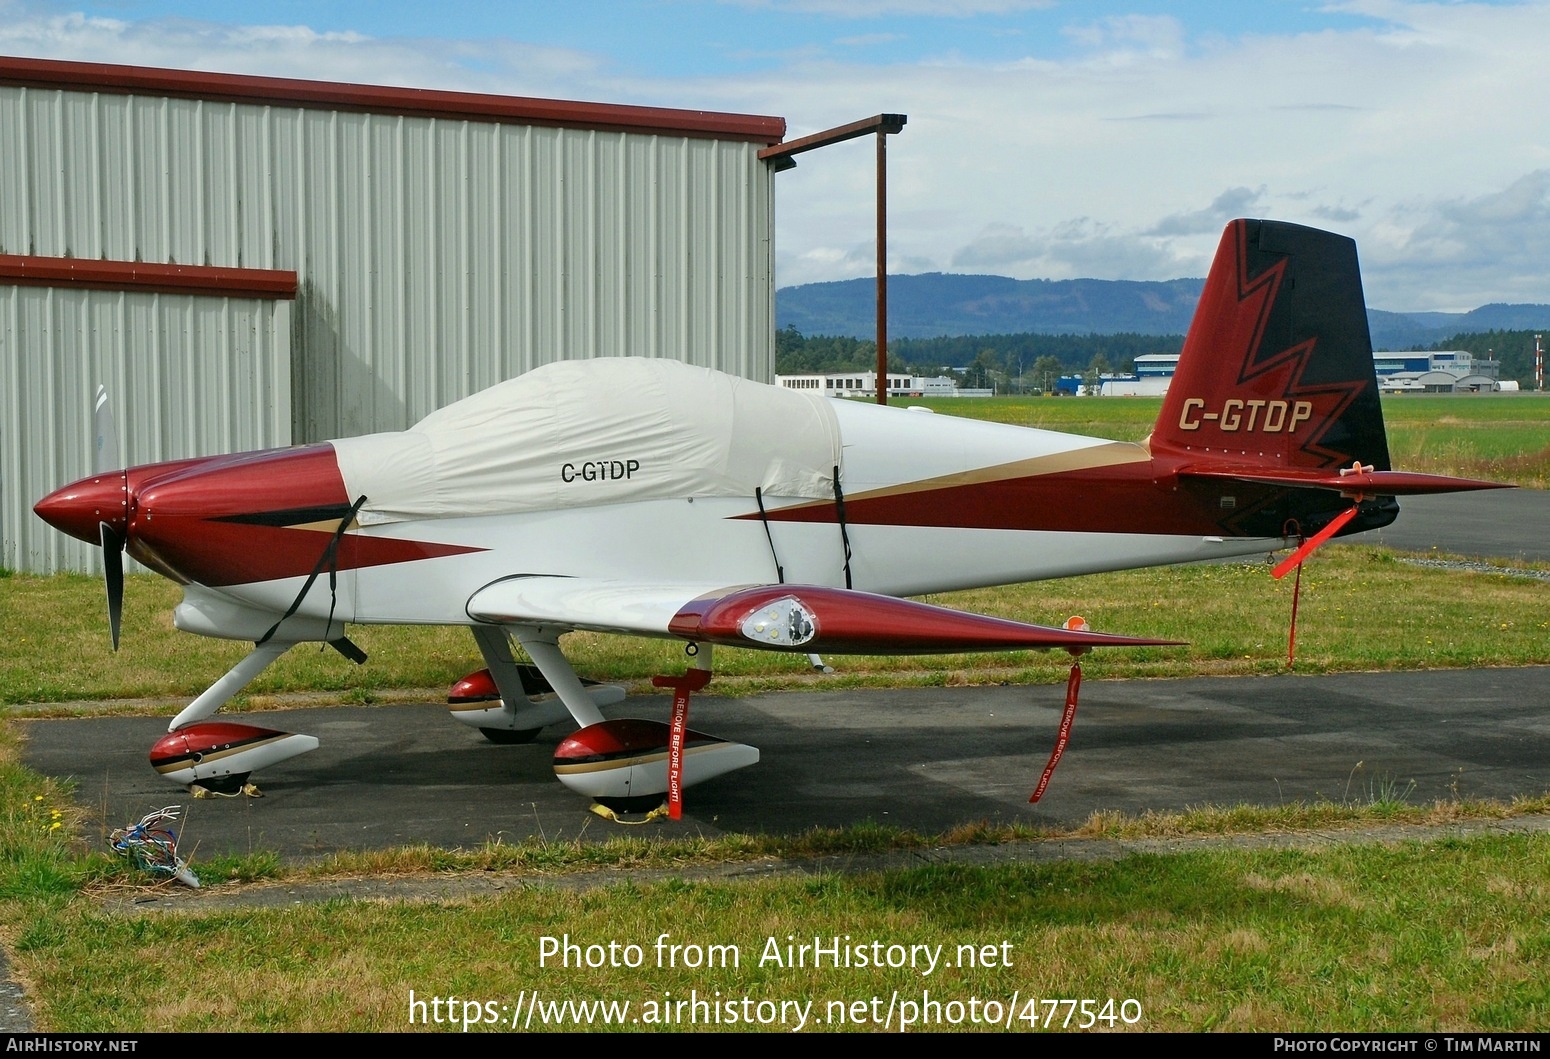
x=924, y=758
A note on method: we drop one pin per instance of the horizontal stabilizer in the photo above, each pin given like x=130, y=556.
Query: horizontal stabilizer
x=1366, y=482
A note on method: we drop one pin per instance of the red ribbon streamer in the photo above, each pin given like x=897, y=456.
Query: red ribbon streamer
x=677, y=731
x=1294, y=561
x=1291, y=636
x=675, y=753
x=1073, y=684
x=1313, y=542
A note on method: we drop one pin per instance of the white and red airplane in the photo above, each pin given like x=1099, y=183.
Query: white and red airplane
x=652, y=498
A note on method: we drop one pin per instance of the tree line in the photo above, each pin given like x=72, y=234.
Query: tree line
x=1515, y=349
x=1029, y=363
x=1016, y=363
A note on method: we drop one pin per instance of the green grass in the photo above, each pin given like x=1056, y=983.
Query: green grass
x=1502, y=437
x=1362, y=608
x=39, y=821
x=1445, y=934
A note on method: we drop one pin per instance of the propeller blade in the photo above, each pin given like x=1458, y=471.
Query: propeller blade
x=105, y=462
x=105, y=454
x=113, y=576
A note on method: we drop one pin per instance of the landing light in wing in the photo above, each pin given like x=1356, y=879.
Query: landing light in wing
x=783, y=622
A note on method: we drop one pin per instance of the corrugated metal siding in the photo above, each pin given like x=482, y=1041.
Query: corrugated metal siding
x=188, y=375
x=434, y=256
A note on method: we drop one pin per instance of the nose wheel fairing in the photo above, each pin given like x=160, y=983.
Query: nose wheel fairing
x=221, y=755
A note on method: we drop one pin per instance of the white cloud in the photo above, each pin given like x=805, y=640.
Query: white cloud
x=1488, y=247
x=850, y=9
x=1394, y=134
x=1230, y=204
x=502, y=66
x=1336, y=214
x=1412, y=128
x=1072, y=249
x=1121, y=37
x=999, y=248
x=867, y=40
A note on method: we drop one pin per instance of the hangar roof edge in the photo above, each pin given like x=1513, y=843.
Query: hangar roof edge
x=379, y=99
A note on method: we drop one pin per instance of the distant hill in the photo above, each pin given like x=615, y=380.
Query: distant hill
x=1420, y=330
x=936, y=304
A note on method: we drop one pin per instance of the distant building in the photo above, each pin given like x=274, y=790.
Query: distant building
x=1441, y=371
x=1132, y=386
x=1115, y=384
x=1157, y=366
x=1408, y=371
x=858, y=384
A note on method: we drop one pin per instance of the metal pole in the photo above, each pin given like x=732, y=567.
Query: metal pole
x=780, y=156
x=882, y=267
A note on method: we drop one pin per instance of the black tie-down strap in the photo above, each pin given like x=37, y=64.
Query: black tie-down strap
x=329, y=560
x=764, y=517
x=839, y=508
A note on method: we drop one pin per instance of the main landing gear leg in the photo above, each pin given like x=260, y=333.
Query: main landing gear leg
x=520, y=719
x=511, y=702
x=543, y=647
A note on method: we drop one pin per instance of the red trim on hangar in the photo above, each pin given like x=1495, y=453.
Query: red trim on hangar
x=217, y=281
x=377, y=99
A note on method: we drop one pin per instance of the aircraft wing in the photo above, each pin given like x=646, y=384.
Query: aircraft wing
x=807, y=618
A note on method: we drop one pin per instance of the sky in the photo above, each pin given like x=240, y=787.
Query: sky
x=1046, y=139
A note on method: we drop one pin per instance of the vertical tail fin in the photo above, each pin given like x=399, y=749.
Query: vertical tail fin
x=1277, y=371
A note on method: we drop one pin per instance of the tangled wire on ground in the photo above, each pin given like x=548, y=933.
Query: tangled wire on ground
x=153, y=845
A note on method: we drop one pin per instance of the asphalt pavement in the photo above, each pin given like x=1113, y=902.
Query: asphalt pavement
x=1500, y=523
x=924, y=758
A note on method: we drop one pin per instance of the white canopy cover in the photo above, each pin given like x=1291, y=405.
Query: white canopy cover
x=587, y=432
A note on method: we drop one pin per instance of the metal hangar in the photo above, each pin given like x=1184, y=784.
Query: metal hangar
x=248, y=262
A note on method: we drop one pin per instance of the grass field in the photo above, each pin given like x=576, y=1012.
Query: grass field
x=1501, y=437
x=1438, y=934
x=1362, y=608
x=1443, y=935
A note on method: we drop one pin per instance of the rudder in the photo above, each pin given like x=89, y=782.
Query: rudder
x=1277, y=371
